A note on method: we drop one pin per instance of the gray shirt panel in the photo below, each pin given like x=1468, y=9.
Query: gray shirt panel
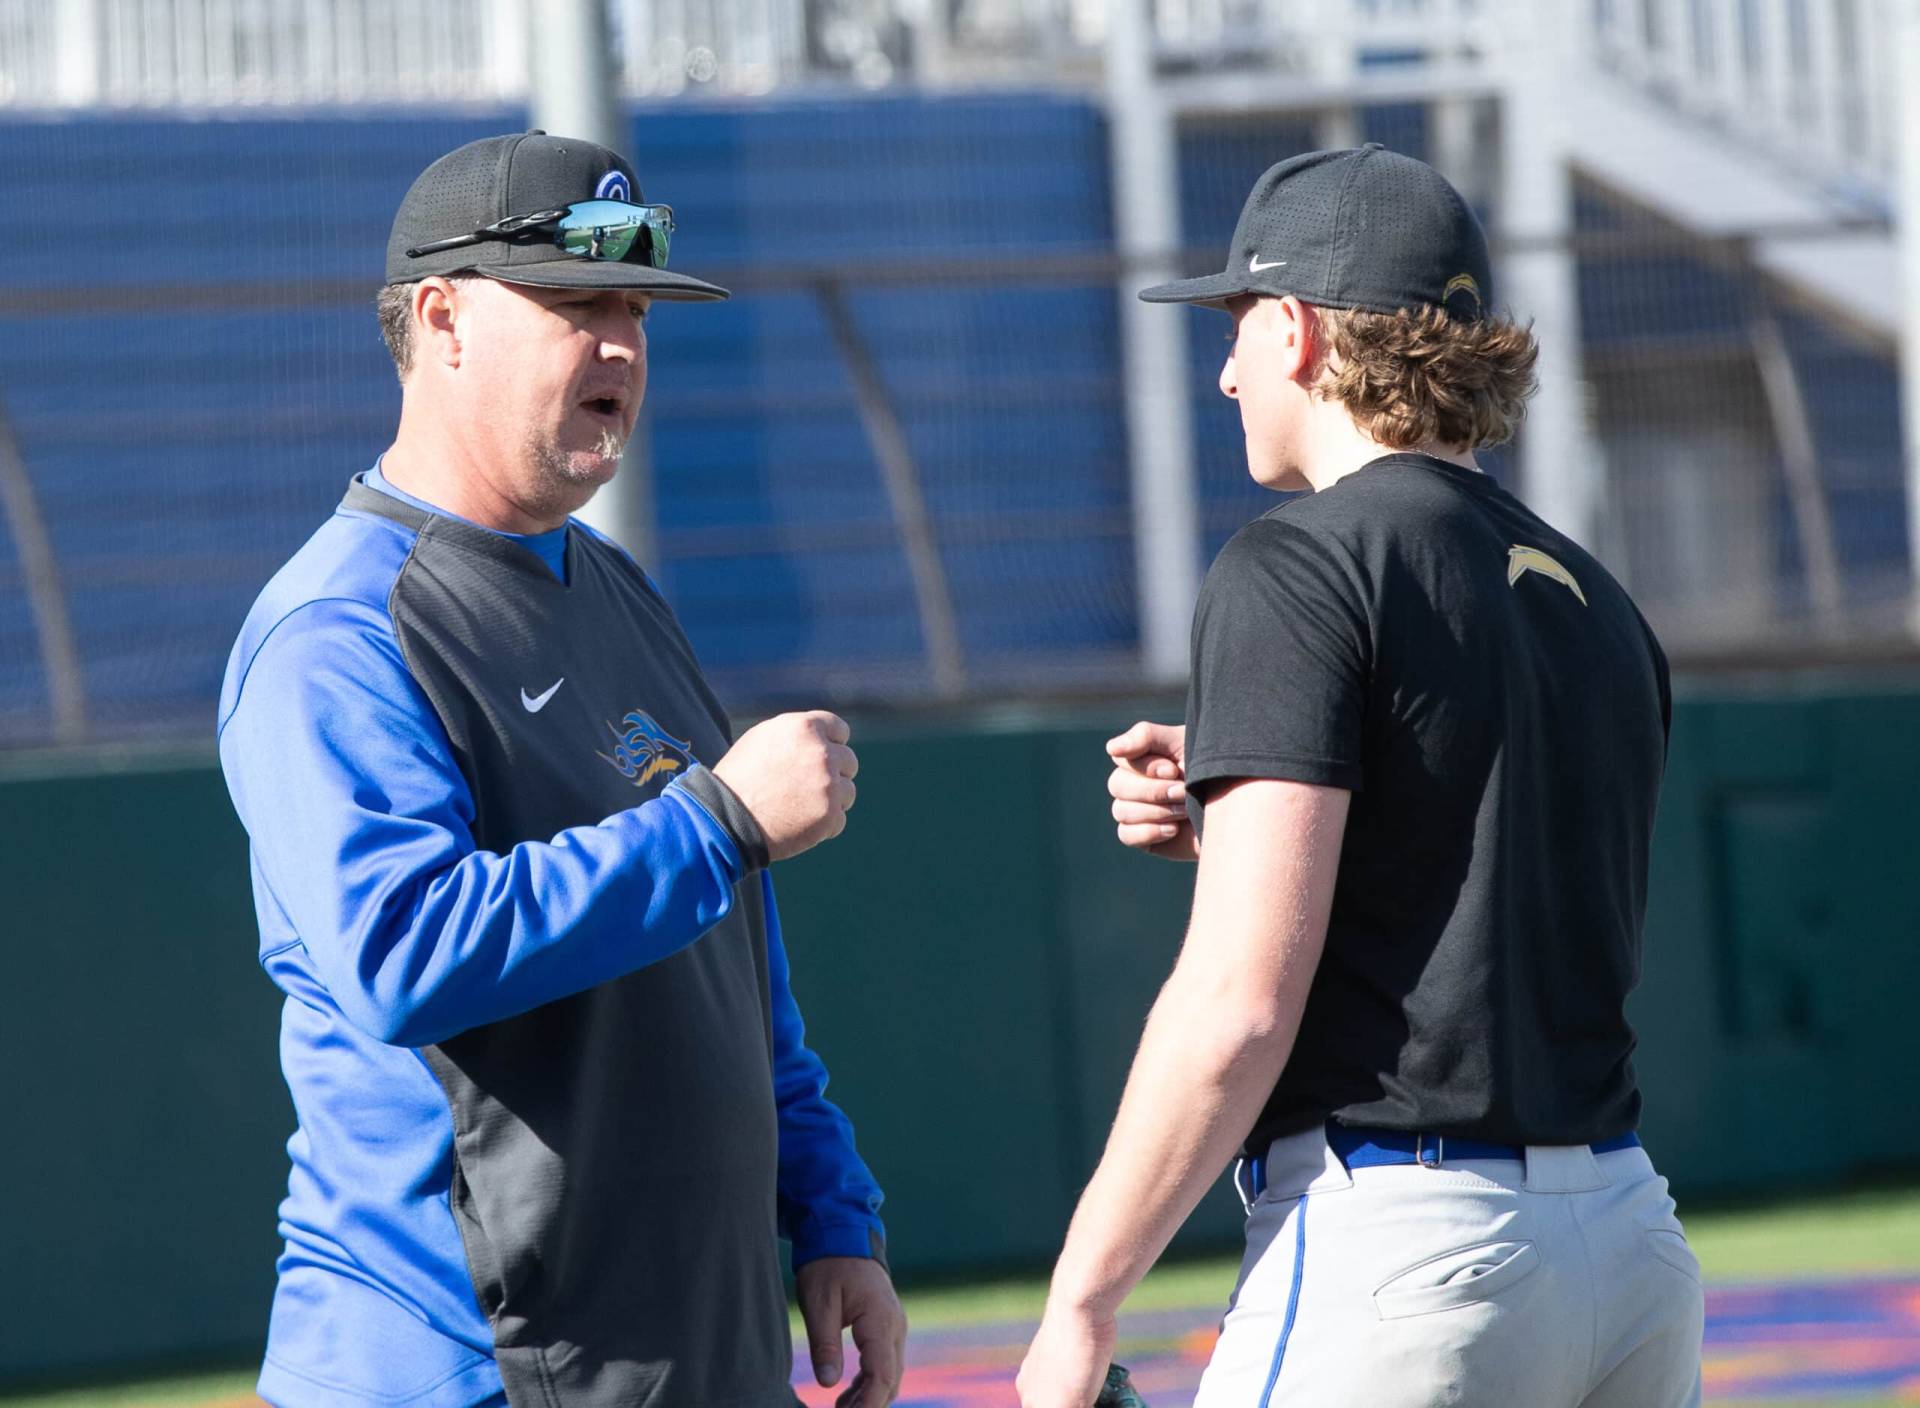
x=616, y=1152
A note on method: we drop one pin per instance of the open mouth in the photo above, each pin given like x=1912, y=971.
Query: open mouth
x=608, y=411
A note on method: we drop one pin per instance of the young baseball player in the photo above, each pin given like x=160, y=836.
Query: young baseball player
x=1424, y=737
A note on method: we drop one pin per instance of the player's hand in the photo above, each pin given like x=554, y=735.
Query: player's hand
x=795, y=774
x=850, y=1292
x=1149, y=791
x=1066, y=1365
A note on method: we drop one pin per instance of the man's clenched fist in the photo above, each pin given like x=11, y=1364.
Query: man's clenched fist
x=795, y=774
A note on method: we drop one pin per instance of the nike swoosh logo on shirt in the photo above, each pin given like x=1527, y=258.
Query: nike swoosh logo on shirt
x=1254, y=265
x=535, y=703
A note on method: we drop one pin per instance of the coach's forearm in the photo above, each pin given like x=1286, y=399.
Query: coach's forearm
x=1207, y=1062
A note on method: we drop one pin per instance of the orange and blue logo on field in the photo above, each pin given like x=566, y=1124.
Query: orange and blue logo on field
x=1818, y=1340
x=642, y=750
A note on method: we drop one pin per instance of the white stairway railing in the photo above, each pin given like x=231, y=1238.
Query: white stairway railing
x=225, y=53
x=1809, y=81
x=219, y=53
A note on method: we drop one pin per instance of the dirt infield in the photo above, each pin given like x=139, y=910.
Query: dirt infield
x=1814, y=1341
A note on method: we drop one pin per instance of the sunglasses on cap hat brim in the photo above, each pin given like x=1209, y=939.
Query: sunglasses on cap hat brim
x=607, y=231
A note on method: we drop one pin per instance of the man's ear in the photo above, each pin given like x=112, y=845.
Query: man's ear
x=1296, y=333
x=436, y=320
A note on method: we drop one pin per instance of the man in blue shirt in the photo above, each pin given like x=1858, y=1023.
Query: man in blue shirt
x=555, y=1104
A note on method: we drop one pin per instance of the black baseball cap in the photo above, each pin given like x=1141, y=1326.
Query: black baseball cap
x=1361, y=228
x=521, y=174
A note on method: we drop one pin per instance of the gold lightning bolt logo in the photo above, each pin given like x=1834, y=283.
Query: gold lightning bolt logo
x=1521, y=561
x=1462, y=283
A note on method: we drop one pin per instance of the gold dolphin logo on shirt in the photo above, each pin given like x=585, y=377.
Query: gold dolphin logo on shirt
x=1521, y=561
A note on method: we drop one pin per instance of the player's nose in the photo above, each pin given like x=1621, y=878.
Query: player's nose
x=1229, y=379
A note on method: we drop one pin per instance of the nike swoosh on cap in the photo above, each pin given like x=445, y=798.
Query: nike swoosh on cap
x=533, y=704
x=1254, y=265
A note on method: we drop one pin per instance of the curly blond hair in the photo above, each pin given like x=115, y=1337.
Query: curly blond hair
x=1419, y=378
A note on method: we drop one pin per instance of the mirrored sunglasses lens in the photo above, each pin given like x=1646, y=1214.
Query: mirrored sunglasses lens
x=616, y=232
x=597, y=238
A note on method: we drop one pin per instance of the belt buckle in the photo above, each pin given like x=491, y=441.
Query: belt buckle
x=1439, y=1151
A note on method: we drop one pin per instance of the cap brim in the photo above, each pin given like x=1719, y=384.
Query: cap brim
x=663, y=284
x=1210, y=291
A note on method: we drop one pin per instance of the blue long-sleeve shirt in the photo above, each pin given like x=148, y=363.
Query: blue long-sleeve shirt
x=390, y=929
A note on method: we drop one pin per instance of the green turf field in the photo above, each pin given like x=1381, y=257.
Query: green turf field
x=1857, y=1233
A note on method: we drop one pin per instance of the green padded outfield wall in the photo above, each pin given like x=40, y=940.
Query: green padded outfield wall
x=975, y=957
x=145, y=1116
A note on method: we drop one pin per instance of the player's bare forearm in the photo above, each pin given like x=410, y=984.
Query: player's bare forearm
x=1218, y=1036
x=1198, y=1082
x=1192, y=1082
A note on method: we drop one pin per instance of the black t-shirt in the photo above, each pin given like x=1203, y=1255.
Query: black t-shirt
x=1498, y=708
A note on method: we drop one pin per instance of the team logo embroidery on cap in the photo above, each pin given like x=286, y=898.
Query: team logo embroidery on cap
x=643, y=750
x=1521, y=561
x=1462, y=283
x=613, y=186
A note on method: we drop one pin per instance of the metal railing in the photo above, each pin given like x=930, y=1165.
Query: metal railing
x=1810, y=81
x=665, y=47
x=227, y=53
x=221, y=53
x=1804, y=79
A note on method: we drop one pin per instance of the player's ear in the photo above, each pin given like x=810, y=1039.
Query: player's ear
x=1295, y=332
x=436, y=320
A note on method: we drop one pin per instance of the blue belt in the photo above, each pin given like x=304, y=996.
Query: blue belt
x=1359, y=1147
x=1382, y=1148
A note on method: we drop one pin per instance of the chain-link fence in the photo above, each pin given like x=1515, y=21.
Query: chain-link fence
x=921, y=370
x=190, y=385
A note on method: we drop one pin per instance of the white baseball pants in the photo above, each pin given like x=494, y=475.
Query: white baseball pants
x=1561, y=1282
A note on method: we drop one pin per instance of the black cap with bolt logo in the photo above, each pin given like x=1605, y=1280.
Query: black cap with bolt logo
x=1365, y=228
x=553, y=212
